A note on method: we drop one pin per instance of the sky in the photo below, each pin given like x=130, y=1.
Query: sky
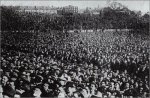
x=137, y=5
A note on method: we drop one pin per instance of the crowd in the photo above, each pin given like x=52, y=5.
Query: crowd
x=76, y=67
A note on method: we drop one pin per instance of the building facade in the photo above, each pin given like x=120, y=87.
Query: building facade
x=49, y=10
x=68, y=9
x=39, y=9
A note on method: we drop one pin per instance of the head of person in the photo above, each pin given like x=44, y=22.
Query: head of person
x=5, y=79
x=141, y=83
x=57, y=71
x=78, y=69
x=141, y=89
x=62, y=92
x=92, y=86
x=123, y=79
x=74, y=74
x=91, y=71
x=37, y=92
x=84, y=92
x=131, y=87
x=81, y=78
x=103, y=83
x=38, y=79
x=61, y=89
x=127, y=85
x=117, y=86
x=132, y=81
x=70, y=87
x=136, y=84
x=62, y=82
x=50, y=80
x=112, y=84
x=12, y=84
x=8, y=92
x=45, y=86
x=125, y=71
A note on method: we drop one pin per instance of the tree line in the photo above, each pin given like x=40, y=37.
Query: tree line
x=108, y=18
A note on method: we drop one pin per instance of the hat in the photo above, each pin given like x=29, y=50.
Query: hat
x=27, y=71
x=14, y=74
x=82, y=71
x=94, y=96
x=38, y=86
x=101, y=89
x=7, y=75
x=55, y=66
x=62, y=79
x=13, y=79
x=69, y=84
x=52, y=86
x=24, y=78
x=91, y=79
x=38, y=79
x=21, y=69
x=81, y=86
x=26, y=87
x=32, y=75
x=16, y=70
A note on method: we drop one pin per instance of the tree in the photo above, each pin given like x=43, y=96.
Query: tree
x=11, y=19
